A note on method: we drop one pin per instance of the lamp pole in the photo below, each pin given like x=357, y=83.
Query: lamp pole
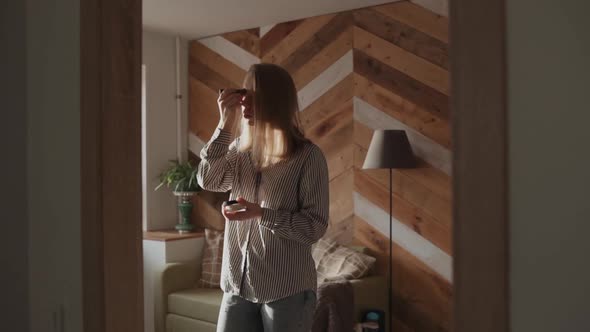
x=390, y=250
x=389, y=149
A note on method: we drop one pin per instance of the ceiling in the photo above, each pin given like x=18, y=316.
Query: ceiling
x=195, y=19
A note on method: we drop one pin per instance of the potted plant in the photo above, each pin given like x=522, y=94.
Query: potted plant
x=181, y=179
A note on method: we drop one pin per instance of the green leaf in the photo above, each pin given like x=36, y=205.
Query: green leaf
x=179, y=177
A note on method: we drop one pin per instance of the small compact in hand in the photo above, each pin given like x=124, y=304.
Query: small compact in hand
x=233, y=206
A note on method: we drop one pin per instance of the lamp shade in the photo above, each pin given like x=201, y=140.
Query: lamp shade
x=389, y=149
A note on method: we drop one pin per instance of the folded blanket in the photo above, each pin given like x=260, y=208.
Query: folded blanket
x=335, y=308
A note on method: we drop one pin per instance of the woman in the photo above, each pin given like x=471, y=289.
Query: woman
x=268, y=274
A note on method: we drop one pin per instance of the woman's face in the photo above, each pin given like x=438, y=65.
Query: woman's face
x=248, y=108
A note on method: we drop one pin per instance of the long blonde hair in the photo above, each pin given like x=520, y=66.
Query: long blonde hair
x=276, y=133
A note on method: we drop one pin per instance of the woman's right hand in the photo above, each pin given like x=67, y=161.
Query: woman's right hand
x=228, y=103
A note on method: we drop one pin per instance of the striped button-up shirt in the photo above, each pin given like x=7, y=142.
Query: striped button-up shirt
x=269, y=258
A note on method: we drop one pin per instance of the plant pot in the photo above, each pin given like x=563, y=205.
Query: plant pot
x=185, y=207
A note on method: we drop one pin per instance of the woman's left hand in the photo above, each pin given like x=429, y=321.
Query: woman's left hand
x=252, y=211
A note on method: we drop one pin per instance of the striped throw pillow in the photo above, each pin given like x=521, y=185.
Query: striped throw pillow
x=336, y=263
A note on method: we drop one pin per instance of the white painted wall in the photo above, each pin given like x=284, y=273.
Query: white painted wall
x=160, y=131
x=549, y=119
x=14, y=247
x=53, y=112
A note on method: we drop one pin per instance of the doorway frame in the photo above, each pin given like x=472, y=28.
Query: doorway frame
x=481, y=299
x=110, y=92
x=110, y=143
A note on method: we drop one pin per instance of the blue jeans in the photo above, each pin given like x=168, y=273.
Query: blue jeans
x=291, y=314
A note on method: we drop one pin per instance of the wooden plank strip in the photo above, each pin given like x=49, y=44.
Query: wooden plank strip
x=217, y=63
x=401, y=84
x=405, y=212
x=419, y=18
x=322, y=38
x=424, y=250
x=404, y=36
x=324, y=106
x=334, y=135
x=422, y=299
x=340, y=116
x=296, y=38
x=322, y=61
x=432, y=178
x=254, y=32
x=207, y=75
x=341, y=203
x=426, y=175
x=203, y=112
x=342, y=232
x=428, y=124
x=402, y=60
x=337, y=72
x=245, y=40
x=276, y=35
x=328, y=122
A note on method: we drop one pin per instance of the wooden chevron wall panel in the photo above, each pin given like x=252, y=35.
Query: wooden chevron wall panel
x=383, y=67
x=402, y=82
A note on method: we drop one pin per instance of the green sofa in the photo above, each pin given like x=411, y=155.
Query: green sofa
x=188, y=308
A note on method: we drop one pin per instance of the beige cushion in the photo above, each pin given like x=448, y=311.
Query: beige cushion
x=211, y=262
x=197, y=303
x=335, y=262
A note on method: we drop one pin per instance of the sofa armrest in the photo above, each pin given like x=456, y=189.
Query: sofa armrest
x=178, y=276
x=174, y=277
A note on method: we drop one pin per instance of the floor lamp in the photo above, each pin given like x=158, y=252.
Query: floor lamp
x=390, y=149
